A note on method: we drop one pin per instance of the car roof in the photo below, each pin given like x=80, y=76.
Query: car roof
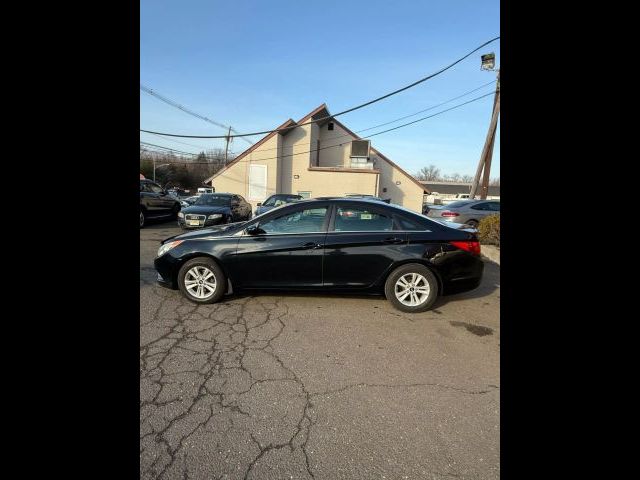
x=375, y=200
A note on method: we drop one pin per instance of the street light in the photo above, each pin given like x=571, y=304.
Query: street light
x=488, y=61
x=154, y=168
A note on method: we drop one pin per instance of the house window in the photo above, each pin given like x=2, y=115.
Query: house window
x=305, y=194
x=257, y=182
x=330, y=126
x=361, y=162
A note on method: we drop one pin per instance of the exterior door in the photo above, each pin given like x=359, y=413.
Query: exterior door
x=286, y=252
x=361, y=244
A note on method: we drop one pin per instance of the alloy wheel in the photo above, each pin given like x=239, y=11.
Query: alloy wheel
x=200, y=282
x=412, y=289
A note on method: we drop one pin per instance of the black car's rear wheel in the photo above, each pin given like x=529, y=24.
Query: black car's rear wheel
x=142, y=219
x=411, y=288
x=201, y=280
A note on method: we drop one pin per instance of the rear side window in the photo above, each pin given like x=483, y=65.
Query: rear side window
x=481, y=206
x=358, y=219
x=494, y=206
x=153, y=188
x=403, y=223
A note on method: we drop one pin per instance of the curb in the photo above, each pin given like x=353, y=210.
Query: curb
x=490, y=253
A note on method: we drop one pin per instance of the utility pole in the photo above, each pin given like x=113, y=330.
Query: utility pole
x=154, y=168
x=487, y=151
x=487, y=171
x=226, y=149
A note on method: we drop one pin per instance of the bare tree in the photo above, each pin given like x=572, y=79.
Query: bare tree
x=429, y=174
x=466, y=178
x=495, y=182
x=182, y=171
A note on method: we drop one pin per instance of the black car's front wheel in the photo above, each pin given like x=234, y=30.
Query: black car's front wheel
x=142, y=219
x=201, y=280
x=411, y=288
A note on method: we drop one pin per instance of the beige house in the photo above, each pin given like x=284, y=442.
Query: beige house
x=317, y=160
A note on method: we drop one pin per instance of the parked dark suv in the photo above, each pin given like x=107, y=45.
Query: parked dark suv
x=155, y=202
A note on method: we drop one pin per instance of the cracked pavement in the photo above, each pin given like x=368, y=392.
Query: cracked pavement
x=316, y=387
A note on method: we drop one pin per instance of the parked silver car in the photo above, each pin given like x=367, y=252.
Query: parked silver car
x=469, y=212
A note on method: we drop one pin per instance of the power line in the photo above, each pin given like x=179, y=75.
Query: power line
x=403, y=117
x=430, y=108
x=357, y=107
x=173, y=149
x=184, y=143
x=168, y=101
x=373, y=134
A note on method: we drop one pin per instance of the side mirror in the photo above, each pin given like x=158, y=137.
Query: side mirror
x=259, y=204
x=254, y=230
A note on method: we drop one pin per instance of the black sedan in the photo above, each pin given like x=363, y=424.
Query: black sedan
x=213, y=209
x=338, y=245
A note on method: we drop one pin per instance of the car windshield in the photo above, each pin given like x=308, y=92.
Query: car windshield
x=278, y=200
x=458, y=204
x=212, y=200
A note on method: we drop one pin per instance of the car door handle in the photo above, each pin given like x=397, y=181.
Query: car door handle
x=311, y=245
x=393, y=240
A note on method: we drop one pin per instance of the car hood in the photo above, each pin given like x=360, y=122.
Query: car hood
x=205, y=209
x=209, y=232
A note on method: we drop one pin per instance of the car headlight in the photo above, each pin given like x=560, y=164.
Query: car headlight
x=181, y=215
x=168, y=246
x=214, y=216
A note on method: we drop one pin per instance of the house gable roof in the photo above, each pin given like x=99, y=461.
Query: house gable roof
x=288, y=123
x=384, y=157
x=319, y=112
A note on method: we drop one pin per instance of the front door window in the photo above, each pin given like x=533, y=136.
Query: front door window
x=302, y=221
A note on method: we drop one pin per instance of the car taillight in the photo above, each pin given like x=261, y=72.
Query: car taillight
x=473, y=247
x=447, y=213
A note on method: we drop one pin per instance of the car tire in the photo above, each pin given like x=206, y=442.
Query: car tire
x=143, y=218
x=418, y=277
x=196, y=270
x=472, y=223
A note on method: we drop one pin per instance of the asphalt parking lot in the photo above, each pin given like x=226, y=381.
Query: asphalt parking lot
x=316, y=387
